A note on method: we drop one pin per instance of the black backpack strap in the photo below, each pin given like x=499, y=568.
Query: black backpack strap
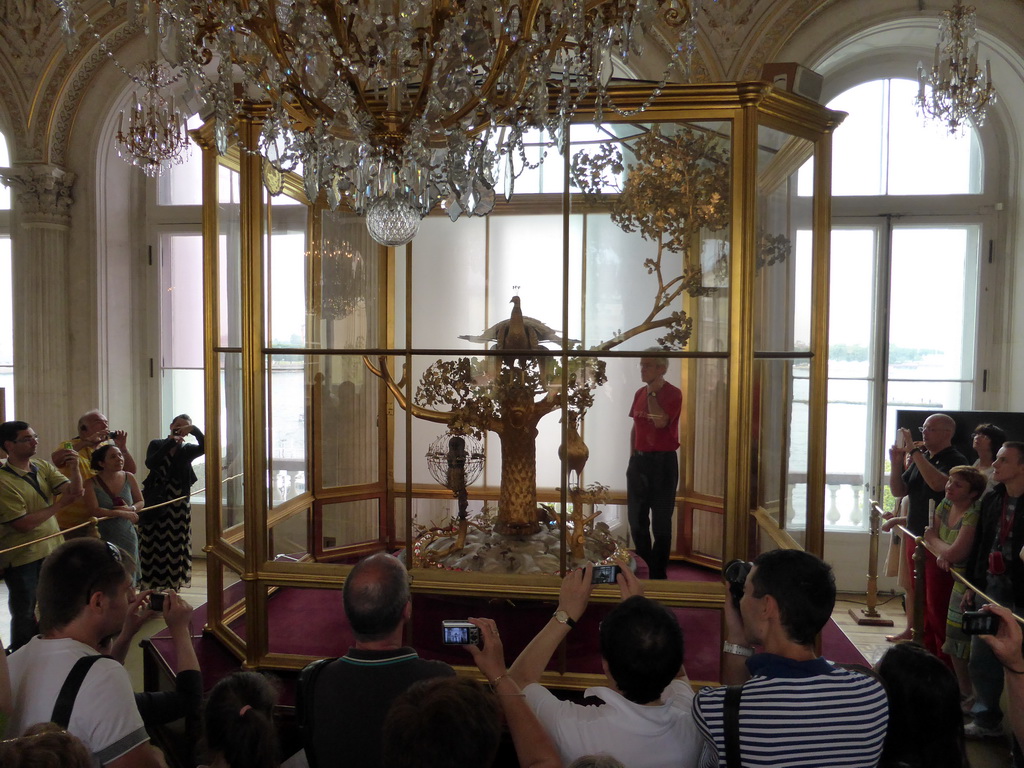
x=731, y=725
x=305, y=706
x=69, y=691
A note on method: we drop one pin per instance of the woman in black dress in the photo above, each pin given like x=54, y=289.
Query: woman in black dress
x=165, y=533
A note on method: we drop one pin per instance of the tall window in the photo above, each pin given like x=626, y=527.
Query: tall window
x=6, y=293
x=904, y=282
x=177, y=248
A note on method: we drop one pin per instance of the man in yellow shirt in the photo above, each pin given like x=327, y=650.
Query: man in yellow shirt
x=32, y=491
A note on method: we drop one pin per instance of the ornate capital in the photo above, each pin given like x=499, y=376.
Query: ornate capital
x=42, y=194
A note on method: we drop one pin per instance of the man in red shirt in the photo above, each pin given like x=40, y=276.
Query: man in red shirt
x=653, y=472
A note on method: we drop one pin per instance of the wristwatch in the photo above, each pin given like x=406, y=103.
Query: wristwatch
x=563, y=618
x=738, y=650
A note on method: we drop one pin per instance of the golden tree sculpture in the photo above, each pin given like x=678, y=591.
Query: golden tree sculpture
x=677, y=189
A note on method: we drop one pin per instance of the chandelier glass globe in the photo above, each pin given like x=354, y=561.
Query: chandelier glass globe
x=392, y=221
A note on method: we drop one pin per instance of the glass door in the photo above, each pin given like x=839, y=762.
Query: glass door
x=902, y=329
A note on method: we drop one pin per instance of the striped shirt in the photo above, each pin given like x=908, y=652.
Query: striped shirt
x=798, y=713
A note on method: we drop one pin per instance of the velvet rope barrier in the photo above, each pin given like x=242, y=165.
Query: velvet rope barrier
x=95, y=521
x=919, y=558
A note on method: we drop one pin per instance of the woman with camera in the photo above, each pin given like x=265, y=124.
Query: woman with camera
x=165, y=529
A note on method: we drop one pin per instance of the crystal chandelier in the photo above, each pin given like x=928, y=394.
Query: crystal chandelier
x=959, y=91
x=394, y=106
x=155, y=138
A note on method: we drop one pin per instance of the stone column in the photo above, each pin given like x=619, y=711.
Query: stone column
x=41, y=303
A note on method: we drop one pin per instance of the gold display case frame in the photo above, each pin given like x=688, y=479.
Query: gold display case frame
x=747, y=107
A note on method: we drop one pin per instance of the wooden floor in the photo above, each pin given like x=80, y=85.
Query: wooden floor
x=869, y=640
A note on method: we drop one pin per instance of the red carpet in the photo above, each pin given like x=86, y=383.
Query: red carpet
x=312, y=622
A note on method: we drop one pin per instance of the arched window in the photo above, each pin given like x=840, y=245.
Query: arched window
x=6, y=315
x=908, y=232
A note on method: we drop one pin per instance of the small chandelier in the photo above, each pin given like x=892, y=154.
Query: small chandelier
x=155, y=138
x=959, y=91
x=394, y=106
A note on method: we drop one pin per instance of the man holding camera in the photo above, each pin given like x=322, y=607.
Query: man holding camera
x=350, y=696
x=996, y=568
x=786, y=705
x=85, y=596
x=646, y=719
x=93, y=431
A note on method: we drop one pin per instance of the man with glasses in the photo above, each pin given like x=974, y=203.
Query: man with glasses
x=32, y=491
x=85, y=595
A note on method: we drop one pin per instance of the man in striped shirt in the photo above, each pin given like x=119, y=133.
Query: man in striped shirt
x=795, y=708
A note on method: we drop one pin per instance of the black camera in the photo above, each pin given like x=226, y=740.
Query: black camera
x=735, y=575
x=980, y=623
x=605, y=574
x=460, y=632
x=156, y=601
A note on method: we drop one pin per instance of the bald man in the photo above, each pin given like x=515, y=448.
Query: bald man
x=931, y=459
x=352, y=695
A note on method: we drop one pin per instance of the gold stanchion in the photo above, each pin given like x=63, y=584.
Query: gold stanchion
x=870, y=616
x=917, y=628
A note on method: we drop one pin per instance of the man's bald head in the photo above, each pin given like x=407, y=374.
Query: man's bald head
x=938, y=432
x=375, y=595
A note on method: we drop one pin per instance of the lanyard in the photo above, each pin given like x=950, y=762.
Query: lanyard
x=30, y=478
x=1006, y=523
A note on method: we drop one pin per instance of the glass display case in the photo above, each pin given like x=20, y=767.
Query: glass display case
x=341, y=370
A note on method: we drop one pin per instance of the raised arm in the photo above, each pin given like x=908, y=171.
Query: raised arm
x=68, y=492
x=1006, y=645
x=534, y=745
x=120, y=438
x=896, y=459
x=933, y=477
x=572, y=598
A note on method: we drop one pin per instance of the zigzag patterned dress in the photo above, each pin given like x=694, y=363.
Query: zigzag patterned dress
x=165, y=534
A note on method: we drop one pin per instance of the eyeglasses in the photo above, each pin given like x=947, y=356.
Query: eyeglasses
x=115, y=552
x=28, y=439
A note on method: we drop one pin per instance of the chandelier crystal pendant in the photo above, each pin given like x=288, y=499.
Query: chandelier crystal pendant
x=954, y=89
x=416, y=102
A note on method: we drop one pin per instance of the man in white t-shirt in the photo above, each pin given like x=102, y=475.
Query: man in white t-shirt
x=646, y=719
x=85, y=592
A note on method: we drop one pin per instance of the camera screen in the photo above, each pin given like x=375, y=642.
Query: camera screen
x=980, y=623
x=605, y=574
x=457, y=635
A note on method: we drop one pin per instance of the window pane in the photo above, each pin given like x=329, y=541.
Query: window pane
x=6, y=327
x=851, y=298
x=858, y=162
x=885, y=147
x=183, y=184
x=932, y=315
x=914, y=146
x=5, y=162
x=181, y=290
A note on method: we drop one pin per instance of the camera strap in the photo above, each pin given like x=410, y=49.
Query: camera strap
x=69, y=691
x=31, y=478
x=731, y=725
